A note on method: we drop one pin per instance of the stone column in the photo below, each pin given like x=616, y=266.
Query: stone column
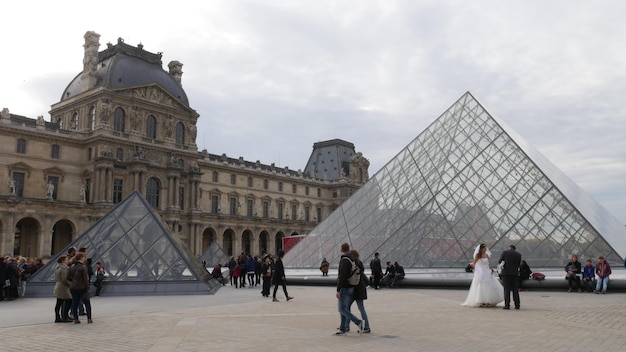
x=45, y=236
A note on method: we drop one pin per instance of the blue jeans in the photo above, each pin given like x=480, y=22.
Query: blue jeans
x=602, y=282
x=361, y=306
x=79, y=297
x=344, y=301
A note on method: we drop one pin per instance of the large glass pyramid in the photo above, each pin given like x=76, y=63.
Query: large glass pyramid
x=139, y=254
x=468, y=178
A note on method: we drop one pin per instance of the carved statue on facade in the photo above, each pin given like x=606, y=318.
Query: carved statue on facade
x=105, y=113
x=40, y=120
x=11, y=187
x=168, y=125
x=83, y=194
x=134, y=118
x=193, y=131
x=49, y=190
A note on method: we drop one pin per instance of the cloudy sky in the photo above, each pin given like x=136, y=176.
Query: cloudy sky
x=270, y=78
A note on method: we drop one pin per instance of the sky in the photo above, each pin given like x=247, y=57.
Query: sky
x=271, y=78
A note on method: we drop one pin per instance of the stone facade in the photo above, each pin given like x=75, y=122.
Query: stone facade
x=105, y=140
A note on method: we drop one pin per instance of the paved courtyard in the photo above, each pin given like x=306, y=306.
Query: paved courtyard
x=242, y=320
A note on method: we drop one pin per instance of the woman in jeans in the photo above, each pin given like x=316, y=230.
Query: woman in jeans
x=80, y=287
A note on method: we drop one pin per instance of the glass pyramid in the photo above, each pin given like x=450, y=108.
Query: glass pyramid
x=467, y=179
x=215, y=254
x=139, y=254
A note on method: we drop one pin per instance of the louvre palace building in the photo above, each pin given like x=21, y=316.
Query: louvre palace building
x=125, y=124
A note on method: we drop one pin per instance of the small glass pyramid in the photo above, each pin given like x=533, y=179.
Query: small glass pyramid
x=135, y=246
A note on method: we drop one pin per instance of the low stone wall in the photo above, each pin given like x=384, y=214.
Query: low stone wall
x=452, y=282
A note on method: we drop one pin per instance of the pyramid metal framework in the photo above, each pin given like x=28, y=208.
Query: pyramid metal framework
x=139, y=254
x=467, y=179
x=214, y=254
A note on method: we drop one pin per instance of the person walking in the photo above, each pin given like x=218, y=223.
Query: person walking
x=360, y=292
x=279, y=277
x=345, y=291
x=510, y=276
x=100, y=272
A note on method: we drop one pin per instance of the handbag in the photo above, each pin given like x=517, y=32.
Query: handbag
x=501, y=267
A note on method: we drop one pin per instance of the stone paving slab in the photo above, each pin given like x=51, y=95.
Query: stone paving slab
x=243, y=320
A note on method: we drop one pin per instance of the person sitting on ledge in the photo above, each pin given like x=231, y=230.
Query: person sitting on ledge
x=399, y=270
x=573, y=269
x=589, y=276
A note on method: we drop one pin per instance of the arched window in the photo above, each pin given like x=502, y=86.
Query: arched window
x=119, y=120
x=152, y=192
x=151, y=126
x=91, y=120
x=180, y=133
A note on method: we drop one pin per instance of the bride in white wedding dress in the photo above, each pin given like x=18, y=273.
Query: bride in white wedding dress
x=485, y=290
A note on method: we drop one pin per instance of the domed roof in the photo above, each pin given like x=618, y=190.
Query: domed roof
x=123, y=65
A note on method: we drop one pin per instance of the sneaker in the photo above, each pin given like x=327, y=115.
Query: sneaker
x=361, y=327
x=289, y=298
x=348, y=330
x=570, y=290
x=596, y=292
x=366, y=331
x=275, y=300
x=340, y=332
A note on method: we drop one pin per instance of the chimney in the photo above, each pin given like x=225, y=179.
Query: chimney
x=88, y=78
x=176, y=71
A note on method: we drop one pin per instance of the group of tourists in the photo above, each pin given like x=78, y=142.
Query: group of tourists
x=14, y=273
x=255, y=269
x=590, y=278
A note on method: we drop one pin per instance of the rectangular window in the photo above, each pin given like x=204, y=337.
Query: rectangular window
x=293, y=188
x=119, y=154
x=52, y=187
x=319, y=214
x=233, y=179
x=294, y=210
x=307, y=214
x=319, y=192
x=21, y=146
x=18, y=180
x=250, y=207
x=118, y=187
x=181, y=198
x=280, y=210
x=214, y=205
x=280, y=186
x=54, y=152
x=233, y=206
x=265, y=184
x=215, y=178
x=88, y=153
x=266, y=209
x=334, y=193
x=249, y=181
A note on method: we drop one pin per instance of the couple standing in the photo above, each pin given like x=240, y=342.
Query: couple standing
x=485, y=290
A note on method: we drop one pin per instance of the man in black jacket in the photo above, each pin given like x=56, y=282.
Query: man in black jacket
x=344, y=292
x=377, y=271
x=510, y=276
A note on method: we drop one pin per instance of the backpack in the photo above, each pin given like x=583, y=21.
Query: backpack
x=355, y=273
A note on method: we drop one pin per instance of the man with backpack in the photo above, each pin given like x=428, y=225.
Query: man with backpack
x=347, y=271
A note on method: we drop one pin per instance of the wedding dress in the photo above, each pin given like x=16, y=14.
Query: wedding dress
x=485, y=290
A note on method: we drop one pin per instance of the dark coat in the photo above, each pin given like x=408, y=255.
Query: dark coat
x=512, y=260
x=345, y=268
x=279, y=272
x=360, y=291
x=12, y=274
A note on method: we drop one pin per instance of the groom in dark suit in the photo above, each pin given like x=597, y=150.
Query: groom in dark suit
x=510, y=276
